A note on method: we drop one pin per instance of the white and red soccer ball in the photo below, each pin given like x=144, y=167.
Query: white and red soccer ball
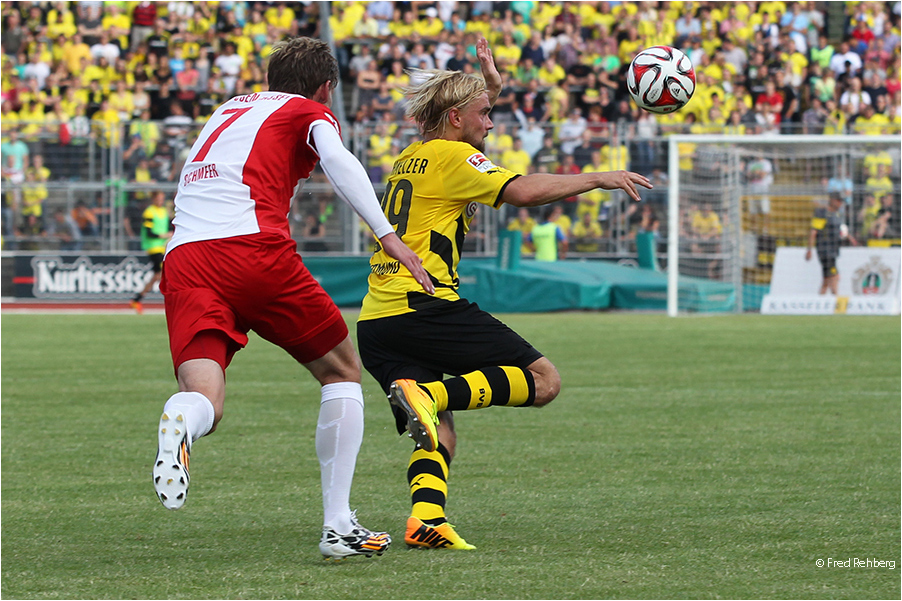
x=661, y=79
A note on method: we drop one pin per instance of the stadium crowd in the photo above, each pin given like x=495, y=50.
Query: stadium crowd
x=140, y=76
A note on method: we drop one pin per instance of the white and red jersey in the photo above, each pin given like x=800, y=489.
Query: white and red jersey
x=245, y=166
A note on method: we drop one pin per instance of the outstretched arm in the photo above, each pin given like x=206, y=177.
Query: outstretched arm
x=543, y=188
x=489, y=70
x=350, y=181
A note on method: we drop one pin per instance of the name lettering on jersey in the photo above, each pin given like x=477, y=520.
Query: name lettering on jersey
x=417, y=165
x=390, y=268
x=205, y=172
x=480, y=162
x=256, y=96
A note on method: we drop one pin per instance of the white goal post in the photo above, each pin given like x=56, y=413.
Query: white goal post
x=732, y=199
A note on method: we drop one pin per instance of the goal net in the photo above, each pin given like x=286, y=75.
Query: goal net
x=733, y=200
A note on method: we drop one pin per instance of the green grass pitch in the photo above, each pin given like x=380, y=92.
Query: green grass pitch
x=715, y=457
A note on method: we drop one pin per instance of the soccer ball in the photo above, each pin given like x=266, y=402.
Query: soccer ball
x=661, y=79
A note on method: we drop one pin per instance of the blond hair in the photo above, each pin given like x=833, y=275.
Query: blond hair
x=429, y=102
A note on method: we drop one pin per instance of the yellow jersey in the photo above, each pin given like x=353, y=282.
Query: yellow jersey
x=431, y=197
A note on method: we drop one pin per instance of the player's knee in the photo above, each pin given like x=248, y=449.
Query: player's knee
x=548, y=386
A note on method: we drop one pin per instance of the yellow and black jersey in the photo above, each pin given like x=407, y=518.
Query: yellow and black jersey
x=431, y=198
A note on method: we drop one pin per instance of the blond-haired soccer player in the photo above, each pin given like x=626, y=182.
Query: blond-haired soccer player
x=231, y=266
x=409, y=340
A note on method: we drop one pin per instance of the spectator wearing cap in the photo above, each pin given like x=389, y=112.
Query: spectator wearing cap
x=431, y=25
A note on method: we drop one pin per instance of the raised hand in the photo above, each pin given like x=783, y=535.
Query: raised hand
x=489, y=70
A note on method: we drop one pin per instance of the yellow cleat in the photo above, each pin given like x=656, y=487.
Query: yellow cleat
x=420, y=410
x=442, y=536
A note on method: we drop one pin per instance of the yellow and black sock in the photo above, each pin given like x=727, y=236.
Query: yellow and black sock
x=492, y=386
x=427, y=475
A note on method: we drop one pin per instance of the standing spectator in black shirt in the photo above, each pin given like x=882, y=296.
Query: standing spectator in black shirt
x=13, y=33
x=158, y=41
x=533, y=49
x=790, y=118
x=459, y=60
x=90, y=22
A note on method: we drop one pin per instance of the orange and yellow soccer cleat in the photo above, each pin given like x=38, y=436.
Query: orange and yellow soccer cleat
x=443, y=536
x=420, y=410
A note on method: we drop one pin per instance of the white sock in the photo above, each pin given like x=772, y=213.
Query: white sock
x=339, y=432
x=197, y=409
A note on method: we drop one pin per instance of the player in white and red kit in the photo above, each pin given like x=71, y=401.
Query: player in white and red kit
x=231, y=266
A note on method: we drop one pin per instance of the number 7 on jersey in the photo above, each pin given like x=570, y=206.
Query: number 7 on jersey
x=202, y=153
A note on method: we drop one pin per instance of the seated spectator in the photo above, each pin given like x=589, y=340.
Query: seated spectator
x=853, y=99
x=85, y=219
x=64, y=228
x=516, y=158
x=867, y=215
x=586, y=234
x=886, y=225
x=532, y=136
x=313, y=233
x=524, y=223
x=498, y=141
x=870, y=122
x=548, y=156
x=704, y=235
x=368, y=82
x=814, y=118
x=845, y=63
x=383, y=103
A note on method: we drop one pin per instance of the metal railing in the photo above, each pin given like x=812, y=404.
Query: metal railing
x=108, y=167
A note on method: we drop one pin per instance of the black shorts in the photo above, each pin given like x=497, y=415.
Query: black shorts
x=156, y=260
x=454, y=337
x=828, y=264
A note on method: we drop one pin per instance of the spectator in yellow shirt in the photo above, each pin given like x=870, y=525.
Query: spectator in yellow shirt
x=282, y=18
x=523, y=223
x=586, y=234
x=870, y=122
x=550, y=72
x=516, y=159
x=117, y=24
x=73, y=53
x=430, y=26
x=105, y=124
